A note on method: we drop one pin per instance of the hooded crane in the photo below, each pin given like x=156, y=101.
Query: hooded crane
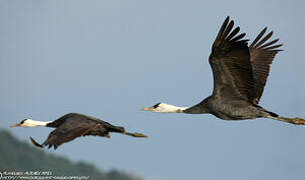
x=240, y=73
x=73, y=125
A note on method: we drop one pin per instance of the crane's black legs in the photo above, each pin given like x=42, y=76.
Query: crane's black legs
x=296, y=121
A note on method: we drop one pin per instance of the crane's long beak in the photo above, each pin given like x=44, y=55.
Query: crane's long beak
x=146, y=109
x=16, y=125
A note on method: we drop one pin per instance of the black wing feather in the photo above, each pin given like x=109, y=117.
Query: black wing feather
x=258, y=36
x=66, y=133
x=230, y=62
x=263, y=40
x=261, y=56
x=233, y=33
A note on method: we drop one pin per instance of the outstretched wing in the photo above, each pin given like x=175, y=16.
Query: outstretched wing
x=262, y=54
x=230, y=62
x=70, y=130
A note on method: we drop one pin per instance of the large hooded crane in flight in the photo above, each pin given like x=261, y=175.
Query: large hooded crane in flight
x=73, y=125
x=240, y=73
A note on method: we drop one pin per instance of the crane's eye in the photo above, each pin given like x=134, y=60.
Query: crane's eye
x=156, y=105
x=23, y=121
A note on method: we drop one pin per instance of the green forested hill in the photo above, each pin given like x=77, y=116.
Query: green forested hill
x=19, y=156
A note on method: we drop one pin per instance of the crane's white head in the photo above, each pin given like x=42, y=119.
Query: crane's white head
x=164, y=108
x=29, y=123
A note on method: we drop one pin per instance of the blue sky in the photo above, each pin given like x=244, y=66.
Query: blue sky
x=108, y=59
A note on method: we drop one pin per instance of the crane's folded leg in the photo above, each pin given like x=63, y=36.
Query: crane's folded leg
x=296, y=121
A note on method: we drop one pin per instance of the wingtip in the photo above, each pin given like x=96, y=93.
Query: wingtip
x=35, y=143
x=226, y=21
x=270, y=34
x=280, y=45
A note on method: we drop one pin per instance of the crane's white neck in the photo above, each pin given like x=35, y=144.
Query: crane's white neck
x=34, y=123
x=167, y=108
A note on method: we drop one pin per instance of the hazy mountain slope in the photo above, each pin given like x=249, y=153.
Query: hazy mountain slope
x=19, y=156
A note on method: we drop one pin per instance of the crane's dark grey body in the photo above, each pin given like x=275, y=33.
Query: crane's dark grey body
x=76, y=120
x=229, y=109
